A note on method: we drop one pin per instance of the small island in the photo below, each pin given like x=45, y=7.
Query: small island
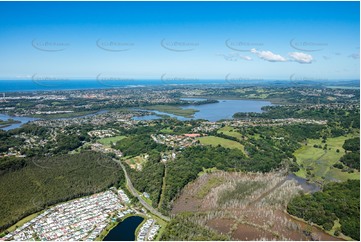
x=6, y=123
x=172, y=109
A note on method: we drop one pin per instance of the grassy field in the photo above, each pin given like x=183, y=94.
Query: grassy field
x=227, y=130
x=167, y=131
x=162, y=224
x=214, y=141
x=108, y=141
x=176, y=110
x=319, y=162
x=136, y=162
x=206, y=188
x=147, y=200
x=23, y=221
x=208, y=170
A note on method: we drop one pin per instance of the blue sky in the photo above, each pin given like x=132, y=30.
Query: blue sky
x=190, y=40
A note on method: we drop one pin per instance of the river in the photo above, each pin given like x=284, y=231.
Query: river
x=24, y=120
x=224, y=109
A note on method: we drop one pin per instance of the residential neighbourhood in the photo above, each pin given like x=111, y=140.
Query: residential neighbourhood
x=102, y=148
x=148, y=231
x=176, y=141
x=180, y=121
x=81, y=219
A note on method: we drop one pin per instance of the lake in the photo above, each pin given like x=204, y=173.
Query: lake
x=224, y=109
x=124, y=231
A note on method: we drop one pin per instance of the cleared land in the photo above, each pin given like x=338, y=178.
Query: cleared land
x=136, y=162
x=176, y=110
x=226, y=143
x=316, y=164
x=246, y=206
x=227, y=130
x=110, y=140
x=167, y=131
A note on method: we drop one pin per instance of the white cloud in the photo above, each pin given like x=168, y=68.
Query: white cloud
x=268, y=56
x=245, y=57
x=301, y=57
x=235, y=57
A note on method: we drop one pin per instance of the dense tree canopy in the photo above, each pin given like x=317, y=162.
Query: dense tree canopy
x=352, y=157
x=336, y=201
x=138, y=144
x=181, y=228
x=46, y=181
x=150, y=178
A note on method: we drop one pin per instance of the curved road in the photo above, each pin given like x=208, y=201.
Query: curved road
x=135, y=194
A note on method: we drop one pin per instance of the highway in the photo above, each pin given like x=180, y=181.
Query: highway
x=135, y=194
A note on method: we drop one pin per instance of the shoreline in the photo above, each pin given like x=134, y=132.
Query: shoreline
x=113, y=225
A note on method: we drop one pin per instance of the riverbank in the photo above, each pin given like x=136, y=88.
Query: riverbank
x=6, y=123
x=328, y=232
x=273, y=101
x=64, y=115
x=112, y=225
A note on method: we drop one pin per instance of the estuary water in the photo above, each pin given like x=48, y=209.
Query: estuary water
x=24, y=120
x=224, y=109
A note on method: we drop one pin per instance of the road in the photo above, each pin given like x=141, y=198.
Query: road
x=135, y=194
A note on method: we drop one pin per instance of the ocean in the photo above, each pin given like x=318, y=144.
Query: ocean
x=53, y=85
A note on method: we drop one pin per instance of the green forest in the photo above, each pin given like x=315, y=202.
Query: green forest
x=182, y=228
x=150, y=178
x=42, y=182
x=138, y=144
x=337, y=201
x=352, y=156
x=192, y=161
x=339, y=118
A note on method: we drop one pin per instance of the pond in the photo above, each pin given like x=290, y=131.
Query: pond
x=124, y=231
x=306, y=186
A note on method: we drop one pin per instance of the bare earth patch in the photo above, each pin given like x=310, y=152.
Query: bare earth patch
x=246, y=206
